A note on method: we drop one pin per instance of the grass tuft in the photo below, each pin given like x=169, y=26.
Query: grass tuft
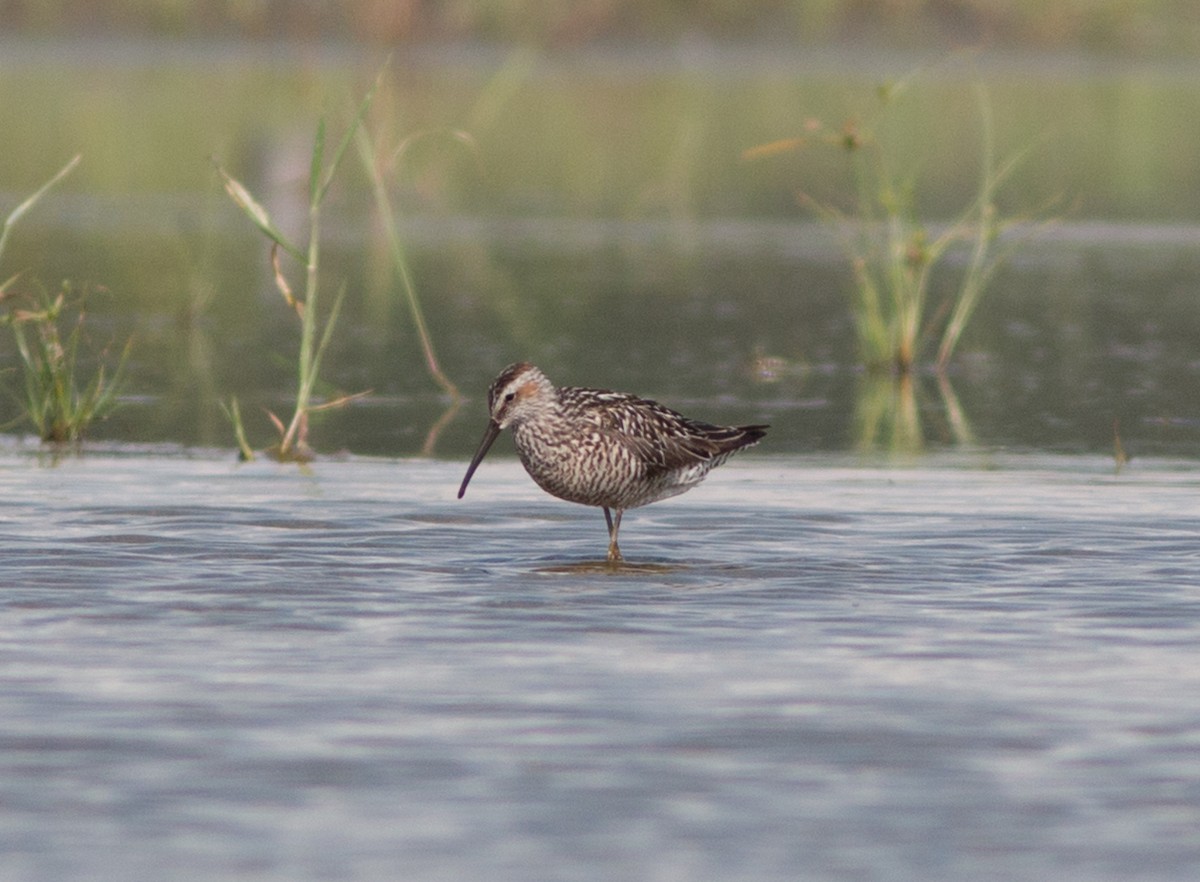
x=893, y=253
x=48, y=331
x=55, y=398
x=316, y=329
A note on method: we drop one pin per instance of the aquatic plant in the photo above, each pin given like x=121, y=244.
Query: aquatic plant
x=55, y=397
x=316, y=328
x=375, y=168
x=19, y=212
x=893, y=253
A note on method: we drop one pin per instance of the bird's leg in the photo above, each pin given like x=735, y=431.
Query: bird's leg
x=614, y=526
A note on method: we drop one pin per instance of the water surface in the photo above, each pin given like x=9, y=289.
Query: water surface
x=979, y=666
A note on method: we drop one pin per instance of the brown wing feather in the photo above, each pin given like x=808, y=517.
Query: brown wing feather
x=662, y=438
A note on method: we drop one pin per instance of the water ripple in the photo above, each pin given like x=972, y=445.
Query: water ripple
x=811, y=669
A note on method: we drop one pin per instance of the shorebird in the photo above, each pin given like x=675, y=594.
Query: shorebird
x=596, y=447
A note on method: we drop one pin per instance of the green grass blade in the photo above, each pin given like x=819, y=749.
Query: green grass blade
x=34, y=403
x=234, y=413
x=17, y=213
x=310, y=371
x=256, y=213
x=326, y=335
x=981, y=216
x=351, y=131
x=316, y=164
x=387, y=215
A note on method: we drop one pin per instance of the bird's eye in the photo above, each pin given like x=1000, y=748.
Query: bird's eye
x=509, y=397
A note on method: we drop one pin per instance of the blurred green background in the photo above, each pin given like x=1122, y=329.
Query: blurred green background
x=579, y=195
x=1147, y=26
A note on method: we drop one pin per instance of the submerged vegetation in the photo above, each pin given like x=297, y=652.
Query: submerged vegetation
x=56, y=396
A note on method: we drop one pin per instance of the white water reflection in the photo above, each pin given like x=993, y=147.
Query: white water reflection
x=830, y=671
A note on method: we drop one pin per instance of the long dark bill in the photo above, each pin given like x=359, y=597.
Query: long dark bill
x=488, y=437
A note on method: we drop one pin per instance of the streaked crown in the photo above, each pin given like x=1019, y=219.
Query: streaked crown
x=519, y=393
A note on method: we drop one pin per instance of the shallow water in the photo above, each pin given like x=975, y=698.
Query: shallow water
x=980, y=666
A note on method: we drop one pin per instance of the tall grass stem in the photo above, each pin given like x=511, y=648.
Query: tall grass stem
x=387, y=216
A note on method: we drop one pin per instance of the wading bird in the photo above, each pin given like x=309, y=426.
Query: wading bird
x=596, y=447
